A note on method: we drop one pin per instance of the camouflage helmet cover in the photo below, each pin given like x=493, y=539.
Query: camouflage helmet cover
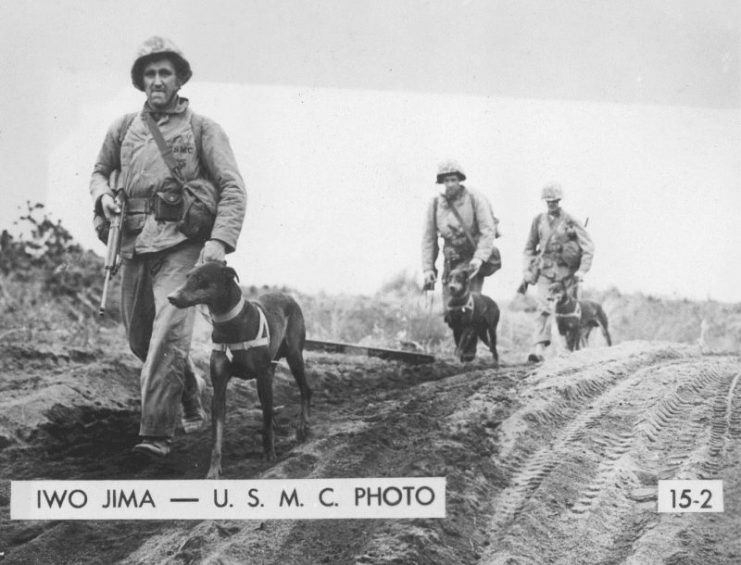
x=449, y=168
x=153, y=48
x=552, y=191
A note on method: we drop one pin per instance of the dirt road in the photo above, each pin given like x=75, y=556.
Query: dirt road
x=554, y=464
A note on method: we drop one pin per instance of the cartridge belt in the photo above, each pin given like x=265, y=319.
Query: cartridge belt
x=139, y=206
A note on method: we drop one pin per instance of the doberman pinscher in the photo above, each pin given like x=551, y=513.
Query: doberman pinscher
x=257, y=334
x=471, y=315
x=576, y=318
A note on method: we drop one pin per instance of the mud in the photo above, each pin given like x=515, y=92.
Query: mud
x=550, y=464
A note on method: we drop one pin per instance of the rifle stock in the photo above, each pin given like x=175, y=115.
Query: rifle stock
x=113, y=248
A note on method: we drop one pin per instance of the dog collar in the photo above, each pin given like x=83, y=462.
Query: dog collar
x=261, y=340
x=230, y=315
x=575, y=314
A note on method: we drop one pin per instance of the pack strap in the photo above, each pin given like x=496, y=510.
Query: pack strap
x=165, y=149
x=262, y=339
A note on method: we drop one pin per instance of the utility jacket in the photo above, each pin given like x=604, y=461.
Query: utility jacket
x=144, y=172
x=440, y=221
x=546, y=239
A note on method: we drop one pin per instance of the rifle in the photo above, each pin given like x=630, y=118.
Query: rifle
x=113, y=249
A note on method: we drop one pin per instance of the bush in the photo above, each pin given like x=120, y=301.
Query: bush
x=49, y=283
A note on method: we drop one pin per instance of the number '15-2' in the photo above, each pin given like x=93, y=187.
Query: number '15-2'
x=685, y=500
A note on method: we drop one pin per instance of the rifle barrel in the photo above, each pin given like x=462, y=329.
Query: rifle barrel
x=104, y=296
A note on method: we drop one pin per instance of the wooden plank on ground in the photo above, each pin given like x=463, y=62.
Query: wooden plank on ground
x=352, y=349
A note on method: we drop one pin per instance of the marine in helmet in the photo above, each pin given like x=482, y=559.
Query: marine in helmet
x=441, y=221
x=558, y=248
x=160, y=244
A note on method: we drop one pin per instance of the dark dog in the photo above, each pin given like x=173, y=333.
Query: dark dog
x=576, y=318
x=257, y=334
x=471, y=315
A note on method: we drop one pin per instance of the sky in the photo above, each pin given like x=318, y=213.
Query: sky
x=339, y=113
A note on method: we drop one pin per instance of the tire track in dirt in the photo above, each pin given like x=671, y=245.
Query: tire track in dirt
x=588, y=495
x=604, y=385
x=709, y=457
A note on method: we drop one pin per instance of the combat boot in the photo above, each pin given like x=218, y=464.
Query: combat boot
x=537, y=355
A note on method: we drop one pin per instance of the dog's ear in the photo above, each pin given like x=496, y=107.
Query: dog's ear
x=231, y=273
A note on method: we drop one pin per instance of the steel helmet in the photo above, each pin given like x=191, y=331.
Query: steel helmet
x=153, y=48
x=552, y=191
x=449, y=168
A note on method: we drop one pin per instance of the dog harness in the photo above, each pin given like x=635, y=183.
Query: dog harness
x=263, y=331
x=575, y=314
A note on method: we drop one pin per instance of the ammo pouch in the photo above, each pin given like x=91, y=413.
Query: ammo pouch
x=193, y=208
x=168, y=206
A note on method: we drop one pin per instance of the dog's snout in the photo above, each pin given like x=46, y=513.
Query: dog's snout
x=175, y=299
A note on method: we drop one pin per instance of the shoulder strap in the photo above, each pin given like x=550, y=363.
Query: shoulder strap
x=165, y=149
x=466, y=229
x=544, y=217
x=196, y=124
x=128, y=119
x=125, y=125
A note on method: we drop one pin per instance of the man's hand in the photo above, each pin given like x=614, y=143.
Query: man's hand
x=473, y=267
x=213, y=252
x=429, y=280
x=109, y=206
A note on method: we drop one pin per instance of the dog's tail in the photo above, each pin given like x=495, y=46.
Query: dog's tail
x=603, y=325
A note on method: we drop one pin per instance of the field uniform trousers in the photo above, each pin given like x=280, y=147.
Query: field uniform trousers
x=160, y=334
x=542, y=332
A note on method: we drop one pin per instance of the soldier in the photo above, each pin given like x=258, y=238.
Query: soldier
x=558, y=248
x=155, y=250
x=473, y=215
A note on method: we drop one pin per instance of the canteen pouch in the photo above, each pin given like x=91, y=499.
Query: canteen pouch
x=199, y=210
